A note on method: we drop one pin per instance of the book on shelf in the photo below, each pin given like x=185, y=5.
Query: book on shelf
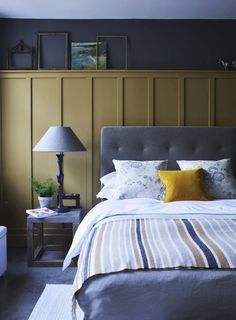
x=41, y=212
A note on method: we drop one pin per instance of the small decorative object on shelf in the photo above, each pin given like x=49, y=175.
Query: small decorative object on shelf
x=45, y=191
x=227, y=65
x=224, y=64
x=25, y=54
x=41, y=212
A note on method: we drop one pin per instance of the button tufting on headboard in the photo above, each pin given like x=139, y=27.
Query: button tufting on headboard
x=153, y=143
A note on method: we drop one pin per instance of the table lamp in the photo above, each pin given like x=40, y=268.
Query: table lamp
x=60, y=140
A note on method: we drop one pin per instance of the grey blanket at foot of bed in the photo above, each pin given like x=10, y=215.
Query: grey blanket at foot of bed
x=160, y=295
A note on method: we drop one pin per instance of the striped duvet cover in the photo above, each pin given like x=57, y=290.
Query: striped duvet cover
x=136, y=243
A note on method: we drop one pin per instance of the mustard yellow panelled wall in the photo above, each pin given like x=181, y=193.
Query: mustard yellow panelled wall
x=31, y=101
x=76, y=112
x=15, y=154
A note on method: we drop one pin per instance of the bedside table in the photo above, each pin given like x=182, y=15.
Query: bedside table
x=35, y=252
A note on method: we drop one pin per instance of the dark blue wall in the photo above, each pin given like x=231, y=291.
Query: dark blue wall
x=153, y=44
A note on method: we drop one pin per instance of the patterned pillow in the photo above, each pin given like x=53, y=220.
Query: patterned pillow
x=138, y=179
x=219, y=181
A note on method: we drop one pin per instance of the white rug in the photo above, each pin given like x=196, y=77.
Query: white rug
x=54, y=304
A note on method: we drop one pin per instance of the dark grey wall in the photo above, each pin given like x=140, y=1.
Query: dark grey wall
x=153, y=44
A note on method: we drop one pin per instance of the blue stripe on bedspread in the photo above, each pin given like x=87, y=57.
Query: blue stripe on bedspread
x=207, y=252
x=141, y=246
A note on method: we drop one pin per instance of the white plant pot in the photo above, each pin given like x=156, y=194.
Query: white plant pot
x=45, y=201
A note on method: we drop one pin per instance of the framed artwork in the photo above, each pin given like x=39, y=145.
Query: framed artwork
x=53, y=50
x=88, y=55
x=71, y=200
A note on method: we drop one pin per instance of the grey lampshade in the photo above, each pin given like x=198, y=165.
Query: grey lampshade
x=59, y=139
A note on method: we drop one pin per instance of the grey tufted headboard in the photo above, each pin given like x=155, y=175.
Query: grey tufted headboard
x=172, y=143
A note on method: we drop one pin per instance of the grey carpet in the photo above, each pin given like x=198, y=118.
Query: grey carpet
x=21, y=287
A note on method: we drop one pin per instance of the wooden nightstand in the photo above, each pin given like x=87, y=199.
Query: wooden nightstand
x=35, y=252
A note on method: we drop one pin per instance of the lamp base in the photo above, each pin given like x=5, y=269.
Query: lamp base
x=62, y=209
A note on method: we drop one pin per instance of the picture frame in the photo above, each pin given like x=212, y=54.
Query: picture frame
x=53, y=50
x=88, y=55
x=74, y=197
x=114, y=37
x=21, y=51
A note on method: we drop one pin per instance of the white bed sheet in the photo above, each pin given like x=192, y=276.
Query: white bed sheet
x=111, y=209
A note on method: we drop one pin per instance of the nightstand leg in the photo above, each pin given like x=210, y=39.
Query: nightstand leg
x=30, y=243
x=40, y=232
x=39, y=249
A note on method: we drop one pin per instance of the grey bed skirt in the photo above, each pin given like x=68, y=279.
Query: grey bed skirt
x=160, y=295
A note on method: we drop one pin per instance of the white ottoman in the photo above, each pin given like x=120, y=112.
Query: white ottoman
x=3, y=250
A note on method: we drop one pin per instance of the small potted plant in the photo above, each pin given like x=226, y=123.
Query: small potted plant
x=45, y=191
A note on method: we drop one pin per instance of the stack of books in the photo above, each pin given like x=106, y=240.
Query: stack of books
x=41, y=212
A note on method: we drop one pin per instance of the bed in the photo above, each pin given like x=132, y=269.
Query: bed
x=110, y=285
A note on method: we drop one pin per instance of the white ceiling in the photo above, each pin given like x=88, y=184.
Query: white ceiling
x=118, y=9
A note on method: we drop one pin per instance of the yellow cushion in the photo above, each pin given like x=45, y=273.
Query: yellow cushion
x=183, y=185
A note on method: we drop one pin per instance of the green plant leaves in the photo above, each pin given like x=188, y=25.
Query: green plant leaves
x=44, y=189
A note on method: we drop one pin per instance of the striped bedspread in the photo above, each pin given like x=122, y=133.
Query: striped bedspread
x=156, y=243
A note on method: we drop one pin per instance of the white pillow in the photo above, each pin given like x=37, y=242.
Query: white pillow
x=108, y=179
x=218, y=176
x=109, y=185
x=138, y=179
